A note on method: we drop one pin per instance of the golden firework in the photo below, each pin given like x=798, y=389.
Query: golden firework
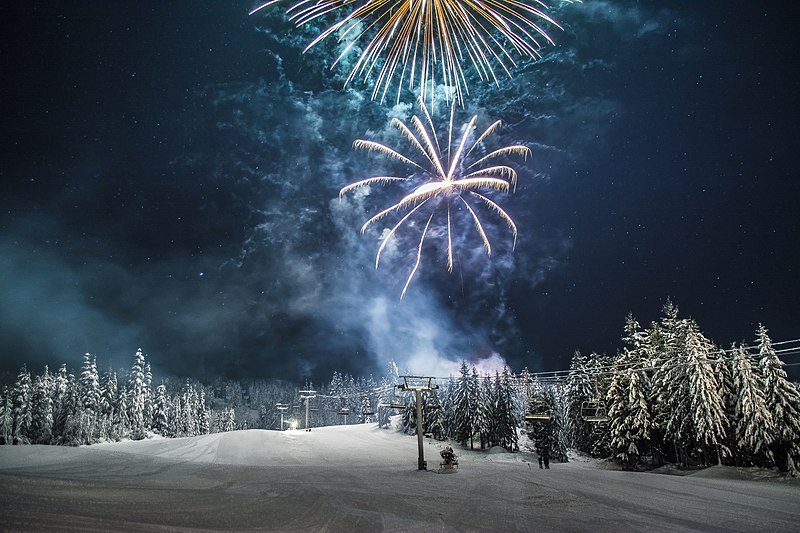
x=446, y=176
x=429, y=41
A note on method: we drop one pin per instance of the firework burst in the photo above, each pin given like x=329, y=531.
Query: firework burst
x=445, y=176
x=428, y=41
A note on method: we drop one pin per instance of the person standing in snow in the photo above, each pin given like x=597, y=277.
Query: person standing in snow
x=544, y=456
x=543, y=450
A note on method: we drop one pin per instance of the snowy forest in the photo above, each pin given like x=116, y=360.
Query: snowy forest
x=668, y=396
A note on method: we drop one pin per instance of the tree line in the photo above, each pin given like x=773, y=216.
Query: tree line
x=669, y=395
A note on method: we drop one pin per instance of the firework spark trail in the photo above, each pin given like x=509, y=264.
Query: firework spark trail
x=445, y=178
x=423, y=41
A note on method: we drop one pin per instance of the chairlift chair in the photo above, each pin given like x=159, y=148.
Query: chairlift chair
x=594, y=411
x=539, y=411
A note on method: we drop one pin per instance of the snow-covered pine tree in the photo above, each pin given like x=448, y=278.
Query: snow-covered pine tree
x=41, y=431
x=542, y=432
x=148, y=398
x=629, y=415
x=201, y=413
x=617, y=405
x=21, y=406
x=160, y=412
x=122, y=422
x=108, y=403
x=366, y=407
x=671, y=392
x=60, y=404
x=446, y=399
x=89, y=385
x=408, y=418
x=580, y=387
x=485, y=410
x=136, y=397
x=707, y=406
x=724, y=365
x=177, y=417
x=598, y=368
x=753, y=428
x=6, y=416
x=433, y=415
x=73, y=430
x=229, y=419
x=505, y=428
x=188, y=402
x=463, y=407
x=783, y=404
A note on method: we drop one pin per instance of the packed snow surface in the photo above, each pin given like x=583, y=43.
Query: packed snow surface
x=361, y=478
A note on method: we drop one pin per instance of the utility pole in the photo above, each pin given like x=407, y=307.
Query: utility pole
x=282, y=407
x=419, y=384
x=306, y=395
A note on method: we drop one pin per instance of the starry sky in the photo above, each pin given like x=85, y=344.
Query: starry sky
x=170, y=171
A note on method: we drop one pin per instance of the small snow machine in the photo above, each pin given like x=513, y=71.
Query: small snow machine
x=449, y=461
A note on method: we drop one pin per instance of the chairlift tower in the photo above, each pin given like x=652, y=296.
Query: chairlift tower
x=306, y=395
x=282, y=407
x=419, y=384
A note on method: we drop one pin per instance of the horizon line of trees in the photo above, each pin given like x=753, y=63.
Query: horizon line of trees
x=62, y=408
x=669, y=395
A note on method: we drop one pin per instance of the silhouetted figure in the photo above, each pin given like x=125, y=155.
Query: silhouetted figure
x=544, y=457
x=542, y=443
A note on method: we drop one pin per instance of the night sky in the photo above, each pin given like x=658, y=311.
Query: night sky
x=170, y=170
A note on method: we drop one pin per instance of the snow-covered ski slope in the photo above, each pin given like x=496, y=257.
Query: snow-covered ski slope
x=360, y=478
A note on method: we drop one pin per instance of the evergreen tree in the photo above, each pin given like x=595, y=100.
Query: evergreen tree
x=724, y=365
x=108, y=404
x=433, y=415
x=21, y=406
x=122, y=422
x=160, y=412
x=673, y=417
x=484, y=403
x=505, y=416
x=89, y=384
x=137, y=397
x=408, y=418
x=707, y=406
x=41, y=431
x=754, y=429
x=366, y=407
x=228, y=422
x=201, y=413
x=783, y=404
x=629, y=416
x=189, y=410
x=448, y=412
x=6, y=416
x=579, y=390
x=148, y=397
x=60, y=402
x=464, y=396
